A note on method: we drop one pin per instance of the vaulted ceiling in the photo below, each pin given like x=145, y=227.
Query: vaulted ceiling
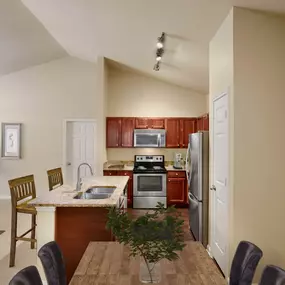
x=24, y=41
x=126, y=31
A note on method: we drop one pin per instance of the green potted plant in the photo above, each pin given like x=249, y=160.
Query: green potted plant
x=154, y=236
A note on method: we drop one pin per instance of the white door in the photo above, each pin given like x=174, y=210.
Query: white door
x=219, y=189
x=80, y=147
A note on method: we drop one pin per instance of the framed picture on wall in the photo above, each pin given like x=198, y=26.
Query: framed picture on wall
x=11, y=141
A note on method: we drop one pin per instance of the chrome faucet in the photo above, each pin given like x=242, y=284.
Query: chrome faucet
x=79, y=183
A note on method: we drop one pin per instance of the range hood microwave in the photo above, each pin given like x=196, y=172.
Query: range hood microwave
x=149, y=138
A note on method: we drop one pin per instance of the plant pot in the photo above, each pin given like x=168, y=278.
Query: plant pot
x=149, y=272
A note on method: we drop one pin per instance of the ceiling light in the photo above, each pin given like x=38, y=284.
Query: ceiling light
x=159, y=45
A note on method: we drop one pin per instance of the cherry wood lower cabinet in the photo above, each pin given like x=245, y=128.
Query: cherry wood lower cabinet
x=130, y=185
x=130, y=182
x=75, y=228
x=177, y=188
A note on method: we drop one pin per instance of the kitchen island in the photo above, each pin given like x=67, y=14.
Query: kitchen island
x=72, y=222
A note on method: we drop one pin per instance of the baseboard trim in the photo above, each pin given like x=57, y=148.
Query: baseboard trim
x=208, y=249
x=5, y=197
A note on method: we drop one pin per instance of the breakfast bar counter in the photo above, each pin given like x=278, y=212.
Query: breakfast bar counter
x=73, y=219
x=63, y=196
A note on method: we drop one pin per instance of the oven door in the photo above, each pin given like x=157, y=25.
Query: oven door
x=146, y=139
x=149, y=185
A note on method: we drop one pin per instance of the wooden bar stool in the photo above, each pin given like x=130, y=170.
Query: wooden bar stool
x=55, y=178
x=22, y=191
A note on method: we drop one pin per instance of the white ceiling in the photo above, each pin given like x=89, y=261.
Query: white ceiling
x=24, y=41
x=126, y=31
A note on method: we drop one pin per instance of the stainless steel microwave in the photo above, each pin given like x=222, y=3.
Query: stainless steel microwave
x=149, y=138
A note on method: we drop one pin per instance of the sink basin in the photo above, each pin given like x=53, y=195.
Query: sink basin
x=89, y=196
x=101, y=190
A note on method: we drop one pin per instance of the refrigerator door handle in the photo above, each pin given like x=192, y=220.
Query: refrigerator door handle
x=188, y=167
x=187, y=160
x=191, y=196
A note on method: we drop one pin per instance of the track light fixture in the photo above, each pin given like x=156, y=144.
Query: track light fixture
x=159, y=51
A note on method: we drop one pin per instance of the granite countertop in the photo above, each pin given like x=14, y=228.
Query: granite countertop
x=63, y=195
x=119, y=168
x=130, y=168
x=171, y=168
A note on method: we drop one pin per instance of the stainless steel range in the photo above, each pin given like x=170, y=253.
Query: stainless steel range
x=149, y=181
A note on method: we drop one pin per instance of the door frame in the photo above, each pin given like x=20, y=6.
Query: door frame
x=212, y=177
x=64, y=140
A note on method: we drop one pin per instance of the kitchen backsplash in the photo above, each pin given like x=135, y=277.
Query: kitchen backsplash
x=127, y=154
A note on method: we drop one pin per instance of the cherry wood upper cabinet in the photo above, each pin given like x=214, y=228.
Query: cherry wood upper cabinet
x=199, y=124
x=142, y=123
x=206, y=122
x=172, y=132
x=157, y=123
x=113, y=138
x=187, y=126
x=203, y=123
x=128, y=126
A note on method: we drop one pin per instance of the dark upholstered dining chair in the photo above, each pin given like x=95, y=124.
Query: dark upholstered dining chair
x=27, y=276
x=53, y=263
x=272, y=275
x=244, y=263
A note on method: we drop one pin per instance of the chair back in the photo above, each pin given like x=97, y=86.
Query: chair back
x=22, y=188
x=244, y=263
x=272, y=275
x=55, y=178
x=27, y=276
x=53, y=263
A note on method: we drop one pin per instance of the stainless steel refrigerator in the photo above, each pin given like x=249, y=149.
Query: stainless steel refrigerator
x=197, y=167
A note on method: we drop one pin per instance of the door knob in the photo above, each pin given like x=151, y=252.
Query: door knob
x=213, y=188
x=68, y=163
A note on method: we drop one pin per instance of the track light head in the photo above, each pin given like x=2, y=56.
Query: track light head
x=156, y=66
x=161, y=40
x=159, y=45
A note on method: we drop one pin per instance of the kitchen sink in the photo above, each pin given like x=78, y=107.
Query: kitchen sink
x=101, y=190
x=91, y=196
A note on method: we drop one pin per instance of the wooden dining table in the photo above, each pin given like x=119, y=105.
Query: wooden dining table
x=110, y=263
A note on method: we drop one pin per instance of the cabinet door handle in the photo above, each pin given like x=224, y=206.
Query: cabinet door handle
x=176, y=173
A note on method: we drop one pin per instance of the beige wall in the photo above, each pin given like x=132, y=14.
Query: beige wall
x=101, y=109
x=132, y=94
x=259, y=162
x=221, y=81
x=128, y=154
x=41, y=97
x=247, y=59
